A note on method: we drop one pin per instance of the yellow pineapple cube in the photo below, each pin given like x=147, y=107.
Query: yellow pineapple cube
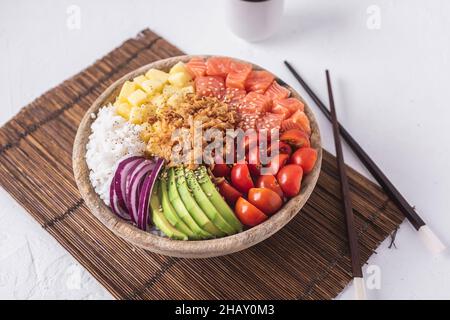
x=179, y=79
x=137, y=115
x=127, y=89
x=169, y=90
x=123, y=109
x=158, y=75
x=179, y=67
x=149, y=110
x=138, y=80
x=137, y=97
x=158, y=101
x=175, y=99
x=152, y=86
x=187, y=89
x=146, y=133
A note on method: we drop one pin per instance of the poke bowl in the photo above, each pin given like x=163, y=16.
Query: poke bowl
x=141, y=164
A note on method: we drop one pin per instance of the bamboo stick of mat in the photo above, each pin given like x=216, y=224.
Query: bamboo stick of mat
x=358, y=279
x=433, y=243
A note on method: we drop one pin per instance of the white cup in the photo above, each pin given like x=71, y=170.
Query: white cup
x=254, y=20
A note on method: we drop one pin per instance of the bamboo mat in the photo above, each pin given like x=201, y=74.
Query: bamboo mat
x=307, y=259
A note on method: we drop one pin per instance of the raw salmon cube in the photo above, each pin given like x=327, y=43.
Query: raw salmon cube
x=298, y=120
x=197, y=67
x=234, y=96
x=256, y=102
x=259, y=81
x=269, y=122
x=217, y=66
x=210, y=86
x=290, y=103
x=277, y=92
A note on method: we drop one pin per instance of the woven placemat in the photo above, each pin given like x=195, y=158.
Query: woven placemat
x=307, y=259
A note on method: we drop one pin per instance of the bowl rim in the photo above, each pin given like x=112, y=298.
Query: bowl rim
x=190, y=248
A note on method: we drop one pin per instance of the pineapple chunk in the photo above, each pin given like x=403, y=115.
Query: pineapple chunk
x=127, y=89
x=179, y=79
x=188, y=89
x=138, y=80
x=158, y=75
x=137, y=115
x=123, y=109
x=149, y=110
x=146, y=132
x=152, y=86
x=179, y=67
x=137, y=97
x=175, y=99
x=168, y=91
x=158, y=101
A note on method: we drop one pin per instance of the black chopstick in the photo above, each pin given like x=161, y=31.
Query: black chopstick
x=345, y=191
x=419, y=224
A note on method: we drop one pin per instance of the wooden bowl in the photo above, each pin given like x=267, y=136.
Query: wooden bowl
x=177, y=248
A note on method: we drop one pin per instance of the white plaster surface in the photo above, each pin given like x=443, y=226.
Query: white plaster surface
x=391, y=89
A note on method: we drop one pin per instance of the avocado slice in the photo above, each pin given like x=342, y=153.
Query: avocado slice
x=169, y=212
x=194, y=209
x=181, y=210
x=216, y=199
x=205, y=204
x=158, y=217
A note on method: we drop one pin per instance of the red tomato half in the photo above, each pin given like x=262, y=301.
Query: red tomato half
x=296, y=138
x=283, y=147
x=277, y=163
x=290, y=179
x=266, y=200
x=305, y=158
x=229, y=193
x=241, y=179
x=248, y=214
x=270, y=182
x=221, y=170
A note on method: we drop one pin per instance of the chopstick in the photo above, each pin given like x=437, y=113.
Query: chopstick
x=427, y=235
x=347, y=201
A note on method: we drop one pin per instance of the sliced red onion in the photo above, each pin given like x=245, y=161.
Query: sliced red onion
x=144, y=196
x=114, y=203
x=133, y=171
x=136, y=184
x=120, y=177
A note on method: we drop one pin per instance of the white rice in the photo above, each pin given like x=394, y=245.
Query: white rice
x=112, y=139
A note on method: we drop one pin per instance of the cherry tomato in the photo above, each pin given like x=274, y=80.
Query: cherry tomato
x=248, y=214
x=276, y=163
x=264, y=199
x=290, y=179
x=305, y=158
x=240, y=178
x=283, y=147
x=221, y=170
x=254, y=164
x=296, y=138
x=269, y=181
x=228, y=192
